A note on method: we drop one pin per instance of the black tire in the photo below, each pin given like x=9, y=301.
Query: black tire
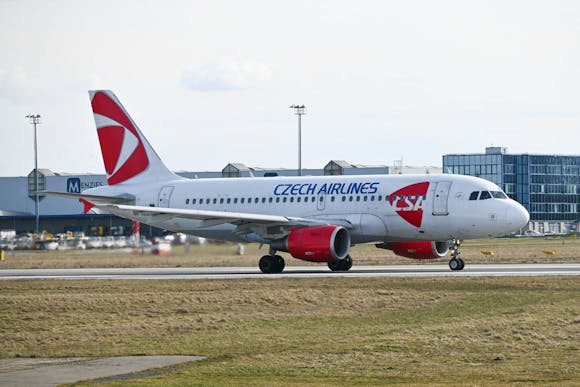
x=280, y=264
x=334, y=265
x=461, y=264
x=347, y=263
x=271, y=264
x=342, y=265
x=455, y=264
x=266, y=264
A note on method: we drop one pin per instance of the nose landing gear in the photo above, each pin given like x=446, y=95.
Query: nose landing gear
x=456, y=263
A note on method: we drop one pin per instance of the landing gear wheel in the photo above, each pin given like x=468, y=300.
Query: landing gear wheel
x=342, y=265
x=456, y=263
x=271, y=264
x=280, y=262
x=347, y=263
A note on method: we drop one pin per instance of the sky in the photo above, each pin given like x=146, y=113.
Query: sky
x=211, y=82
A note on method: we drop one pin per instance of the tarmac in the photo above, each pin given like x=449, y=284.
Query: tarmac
x=52, y=372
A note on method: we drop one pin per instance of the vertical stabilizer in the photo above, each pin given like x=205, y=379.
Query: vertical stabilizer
x=127, y=155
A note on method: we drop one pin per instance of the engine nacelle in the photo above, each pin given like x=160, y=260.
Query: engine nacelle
x=419, y=250
x=316, y=244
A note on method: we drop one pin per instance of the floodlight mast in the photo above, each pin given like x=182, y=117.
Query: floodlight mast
x=299, y=110
x=35, y=120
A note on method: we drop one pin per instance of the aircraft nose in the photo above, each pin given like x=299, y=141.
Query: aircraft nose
x=518, y=215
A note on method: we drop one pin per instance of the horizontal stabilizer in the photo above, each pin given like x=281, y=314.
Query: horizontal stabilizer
x=95, y=199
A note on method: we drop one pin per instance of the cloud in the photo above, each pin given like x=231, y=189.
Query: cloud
x=226, y=75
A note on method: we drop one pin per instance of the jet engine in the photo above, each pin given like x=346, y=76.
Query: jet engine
x=418, y=250
x=316, y=244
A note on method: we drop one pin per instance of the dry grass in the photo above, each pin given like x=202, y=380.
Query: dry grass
x=525, y=250
x=334, y=331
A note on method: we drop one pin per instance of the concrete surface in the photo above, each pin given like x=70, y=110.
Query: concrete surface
x=51, y=372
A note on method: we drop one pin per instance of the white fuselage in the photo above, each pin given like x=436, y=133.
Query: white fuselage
x=376, y=208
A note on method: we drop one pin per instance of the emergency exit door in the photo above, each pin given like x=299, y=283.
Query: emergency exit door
x=441, y=198
x=165, y=196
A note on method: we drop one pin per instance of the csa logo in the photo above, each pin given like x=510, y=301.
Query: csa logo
x=73, y=185
x=408, y=202
x=123, y=152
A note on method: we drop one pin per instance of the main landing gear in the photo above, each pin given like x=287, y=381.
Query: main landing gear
x=272, y=264
x=342, y=265
x=456, y=263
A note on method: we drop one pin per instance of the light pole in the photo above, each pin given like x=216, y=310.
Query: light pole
x=299, y=110
x=35, y=120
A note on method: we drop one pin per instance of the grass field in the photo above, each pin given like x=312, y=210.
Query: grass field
x=524, y=250
x=325, y=331
x=334, y=331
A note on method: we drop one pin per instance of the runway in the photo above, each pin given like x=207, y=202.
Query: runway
x=208, y=273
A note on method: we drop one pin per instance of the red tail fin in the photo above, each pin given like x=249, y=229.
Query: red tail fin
x=126, y=153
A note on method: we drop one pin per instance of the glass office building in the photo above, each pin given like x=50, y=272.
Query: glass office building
x=547, y=185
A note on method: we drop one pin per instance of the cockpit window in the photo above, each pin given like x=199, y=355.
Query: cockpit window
x=484, y=195
x=474, y=195
x=498, y=195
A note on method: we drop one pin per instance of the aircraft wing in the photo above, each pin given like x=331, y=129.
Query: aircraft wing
x=266, y=226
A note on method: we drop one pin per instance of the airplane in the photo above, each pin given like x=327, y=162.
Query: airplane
x=314, y=218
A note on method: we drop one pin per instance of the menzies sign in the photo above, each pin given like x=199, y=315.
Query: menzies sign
x=76, y=185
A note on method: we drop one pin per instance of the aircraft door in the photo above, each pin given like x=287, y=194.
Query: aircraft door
x=165, y=196
x=441, y=198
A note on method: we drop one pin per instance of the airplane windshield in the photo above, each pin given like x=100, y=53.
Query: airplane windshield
x=484, y=195
x=498, y=195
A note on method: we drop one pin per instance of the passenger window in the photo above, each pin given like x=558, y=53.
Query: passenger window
x=344, y=198
x=381, y=198
x=193, y=201
x=358, y=198
x=270, y=200
x=372, y=198
x=235, y=200
x=207, y=201
x=298, y=199
x=263, y=200
x=291, y=199
x=305, y=199
x=214, y=201
x=474, y=195
x=242, y=200
x=365, y=198
x=284, y=200
x=278, y=200
x=222, y=201
x=484, y=195
x=256, y=200
x=186, y=201
x=332, y=198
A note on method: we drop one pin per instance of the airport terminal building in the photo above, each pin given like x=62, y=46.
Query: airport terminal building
x=547, y=185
